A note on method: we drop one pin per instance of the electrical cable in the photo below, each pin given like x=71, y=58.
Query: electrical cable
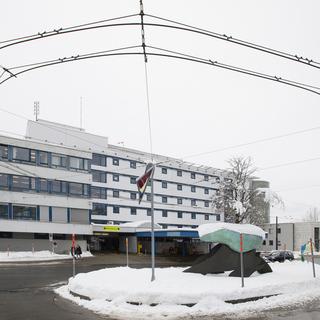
x=251, y=45
x=180, y=56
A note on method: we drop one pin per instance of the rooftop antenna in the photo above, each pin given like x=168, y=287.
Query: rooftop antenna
x=36, y=109
x=81, y=112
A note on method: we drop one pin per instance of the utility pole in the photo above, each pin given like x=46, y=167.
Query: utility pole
x=276, y=232
x=152, y=228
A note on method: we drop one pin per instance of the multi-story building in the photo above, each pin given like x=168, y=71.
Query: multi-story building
x=61, y=180
x=44, y=190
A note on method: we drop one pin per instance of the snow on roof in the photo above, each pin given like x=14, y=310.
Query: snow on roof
x=240, y=228
x=145, y=224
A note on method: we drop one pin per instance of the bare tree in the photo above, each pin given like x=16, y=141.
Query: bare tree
x=312, y=215
x=238, y=199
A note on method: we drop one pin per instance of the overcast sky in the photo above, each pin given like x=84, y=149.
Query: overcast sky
x=194, y=108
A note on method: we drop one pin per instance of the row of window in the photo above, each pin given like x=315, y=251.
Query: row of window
x=101, y=209
x=43, y=158
x=31, y=184
x=18, y=212
x=101, y=160
x=101, y=176
x=101, y=193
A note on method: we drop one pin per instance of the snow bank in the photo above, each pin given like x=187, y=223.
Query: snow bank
x=44, y=255
x=172, y=288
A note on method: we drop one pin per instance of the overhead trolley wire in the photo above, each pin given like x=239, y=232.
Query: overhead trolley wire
x=293, y=57
x=168, y=54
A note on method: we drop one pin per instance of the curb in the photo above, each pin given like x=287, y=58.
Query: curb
x=236, y=301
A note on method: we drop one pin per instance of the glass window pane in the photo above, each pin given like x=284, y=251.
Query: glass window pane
x=99, y=209
x=75, y=188
x=19, y=182
x=24, y=213
x=3, y=151
x=43, y=158
x=3, y=181
x=4, y=212
x=43, y=185
x=21, y=154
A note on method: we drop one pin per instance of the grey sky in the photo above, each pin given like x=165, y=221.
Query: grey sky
x=194, y=108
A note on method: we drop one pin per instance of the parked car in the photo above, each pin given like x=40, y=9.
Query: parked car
x=280, y=256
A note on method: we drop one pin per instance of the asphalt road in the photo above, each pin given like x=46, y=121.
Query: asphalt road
x=26, y=290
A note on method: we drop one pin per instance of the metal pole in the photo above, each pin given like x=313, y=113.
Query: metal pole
x=276, y=232
x=312, y=258
x=74, y=266
x=241, y=260
x=152, y=229
x=127, y=252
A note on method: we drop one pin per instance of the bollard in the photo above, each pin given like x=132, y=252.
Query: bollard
x=312, y=258
x=241, y=260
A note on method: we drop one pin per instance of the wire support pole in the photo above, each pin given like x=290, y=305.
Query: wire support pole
x=142, y=33
x=153, y=277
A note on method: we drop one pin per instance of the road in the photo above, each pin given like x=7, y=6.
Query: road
x=27, y=290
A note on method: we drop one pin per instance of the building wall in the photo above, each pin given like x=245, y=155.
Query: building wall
x=286, y=233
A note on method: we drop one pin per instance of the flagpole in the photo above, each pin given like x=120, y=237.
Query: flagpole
x=152, y=229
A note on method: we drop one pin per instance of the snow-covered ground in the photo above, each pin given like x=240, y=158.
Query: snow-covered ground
x=293, y=281
x=45, y=255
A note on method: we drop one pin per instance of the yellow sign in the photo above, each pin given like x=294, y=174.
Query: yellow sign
x=111, y=228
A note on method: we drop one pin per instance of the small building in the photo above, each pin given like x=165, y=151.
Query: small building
x=291, y=235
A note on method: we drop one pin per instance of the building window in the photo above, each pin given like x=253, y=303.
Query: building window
x=58, y=161
x=179, y=187
x=264, y=242
x=133, y=164
x=164, y=213
x=115, y=177
x=133, y=180
x=78, y=164
x=179, y=215
x=43, y=185
x=133, y=196
x=24, y=155
x=193, y=202
x=279, y=230
x=164, y=200
x=23, y=183
x=78, y=189
x=58, y=187
x=179, y=200
x=99, y=209
x=148, y=212
x=4, y=212
x=99, y=160
x=115, y=193
x=193, y=175
x=206, y=217
x=270, y=242
x=164, y=184
x=206, y=204
x=116, y=209
x=217, y=179
x=4, y=181
x=98, y=193
x=164, y=170
x=3, y=151
x=164, y=226
x=266, y=235
x=115, y=161
x=133, y=211
x=193, y=215
x=206, y=178
x=218, y=218
x=193, y=189
x=43, y=158
x=206, y=191
x=179, y=173
x=99, y=176
x=24, y=213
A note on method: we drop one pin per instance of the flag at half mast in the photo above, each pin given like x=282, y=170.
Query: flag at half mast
x=142, y=181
